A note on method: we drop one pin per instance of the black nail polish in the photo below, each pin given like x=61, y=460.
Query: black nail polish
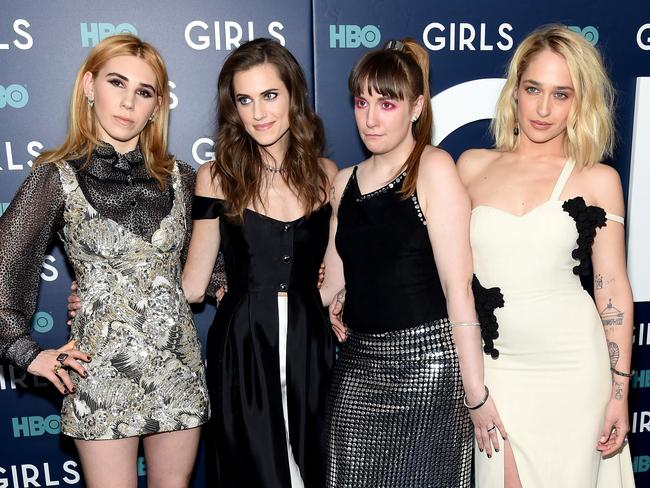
x=480, y=450
x=490, y=456
x=65, y=390
x=85, y=374
x=496, y=450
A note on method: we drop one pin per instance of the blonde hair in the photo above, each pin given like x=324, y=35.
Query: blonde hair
x=81, y=138
x=590, y=130
x=403, y=74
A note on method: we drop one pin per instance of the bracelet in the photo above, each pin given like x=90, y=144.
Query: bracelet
x=479, y=404
x=620, y=373
x=465, y=324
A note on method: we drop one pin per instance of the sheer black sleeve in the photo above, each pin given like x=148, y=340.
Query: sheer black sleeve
x=188, y=176
x=26, y=227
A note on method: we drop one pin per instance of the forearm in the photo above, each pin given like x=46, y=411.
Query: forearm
x=615, y=306
x=467, y=339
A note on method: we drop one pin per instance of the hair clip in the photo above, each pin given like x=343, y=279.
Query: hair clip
x=395, y=45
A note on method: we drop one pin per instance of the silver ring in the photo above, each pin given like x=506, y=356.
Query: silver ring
x=492, y=428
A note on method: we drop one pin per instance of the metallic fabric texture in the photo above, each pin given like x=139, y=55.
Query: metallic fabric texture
x=395, y=417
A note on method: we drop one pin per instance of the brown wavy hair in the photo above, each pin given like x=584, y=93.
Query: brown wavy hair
x=82, y=137
x=402, y=74
x=238, y=162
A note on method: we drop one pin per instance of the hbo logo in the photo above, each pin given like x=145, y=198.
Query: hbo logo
x=93, y=33
x=15, y=96
x=34, y=426
x=351, y=36
x=590, y=33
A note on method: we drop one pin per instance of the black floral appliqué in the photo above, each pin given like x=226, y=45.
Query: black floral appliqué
x=487, y=300
x=587, y=219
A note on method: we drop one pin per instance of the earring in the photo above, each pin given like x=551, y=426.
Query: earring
x=151, y=118
x=90, y=101
x=515, y=131
x=414, y=119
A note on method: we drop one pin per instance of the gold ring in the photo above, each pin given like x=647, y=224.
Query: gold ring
x=56, y=369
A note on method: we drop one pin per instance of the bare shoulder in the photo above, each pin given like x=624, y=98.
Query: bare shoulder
x=434, y=162
x=330, y=167
x=206, y=185
x=602, y=184
x=474, y=161
x=342, y=177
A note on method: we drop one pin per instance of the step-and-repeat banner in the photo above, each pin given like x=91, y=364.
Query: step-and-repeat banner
x=42, y=44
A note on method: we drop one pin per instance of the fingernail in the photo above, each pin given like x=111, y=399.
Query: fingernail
x=65, y=390
x=481, y=450
x=496, y=450
x=490, y=456
x=74, y=389
x=85, y=374
x=89, y=359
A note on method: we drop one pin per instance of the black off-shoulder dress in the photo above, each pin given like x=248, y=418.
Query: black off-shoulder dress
x=264, y=257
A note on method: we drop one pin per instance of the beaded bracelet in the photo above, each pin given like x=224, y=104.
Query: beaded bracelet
x=480, y=404
x=620, y=373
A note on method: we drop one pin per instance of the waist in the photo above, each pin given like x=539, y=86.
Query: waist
x=411, y=341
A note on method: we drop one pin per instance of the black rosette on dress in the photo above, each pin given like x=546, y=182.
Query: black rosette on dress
x=588, y=219
x=487, y=300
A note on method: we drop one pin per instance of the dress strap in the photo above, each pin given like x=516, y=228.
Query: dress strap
x=347, y=185
x=615, y=218
x=562, y=179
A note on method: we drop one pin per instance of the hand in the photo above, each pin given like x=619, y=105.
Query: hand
x=48, y=365
x=321, y=275
x=335, y=313
x=615, y=429
x=220, y=293
x=74, y=302
x=484, y=419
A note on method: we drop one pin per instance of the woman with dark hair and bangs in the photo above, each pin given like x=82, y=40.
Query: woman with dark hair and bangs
x=264, y=202
x=399, y=263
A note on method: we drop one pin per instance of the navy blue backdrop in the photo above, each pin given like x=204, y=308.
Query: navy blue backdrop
x=42, y=43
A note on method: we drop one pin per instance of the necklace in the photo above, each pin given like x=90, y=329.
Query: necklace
x=273, y=169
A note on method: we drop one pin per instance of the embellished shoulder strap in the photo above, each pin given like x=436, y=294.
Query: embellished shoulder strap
x=562, y=179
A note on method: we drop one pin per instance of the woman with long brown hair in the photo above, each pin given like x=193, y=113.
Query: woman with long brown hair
x=264, y=203
x=121, y=204
x=399, y=254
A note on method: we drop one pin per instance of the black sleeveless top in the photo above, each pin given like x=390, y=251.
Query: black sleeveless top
x=390, y=275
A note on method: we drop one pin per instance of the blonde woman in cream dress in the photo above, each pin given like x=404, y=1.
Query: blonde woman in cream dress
x=545, y=210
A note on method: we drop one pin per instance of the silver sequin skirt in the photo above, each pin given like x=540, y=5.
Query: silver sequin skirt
x=395, y=416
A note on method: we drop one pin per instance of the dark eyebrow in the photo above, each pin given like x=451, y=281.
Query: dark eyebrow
x=270, y=90
x=124, y=78
x=537, y=83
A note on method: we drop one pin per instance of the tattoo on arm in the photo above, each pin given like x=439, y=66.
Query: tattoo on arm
x=340, y=296
x=618, y=390
x=614, y=353
x=611, y=316
x=598, y=281
x=601, y=281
